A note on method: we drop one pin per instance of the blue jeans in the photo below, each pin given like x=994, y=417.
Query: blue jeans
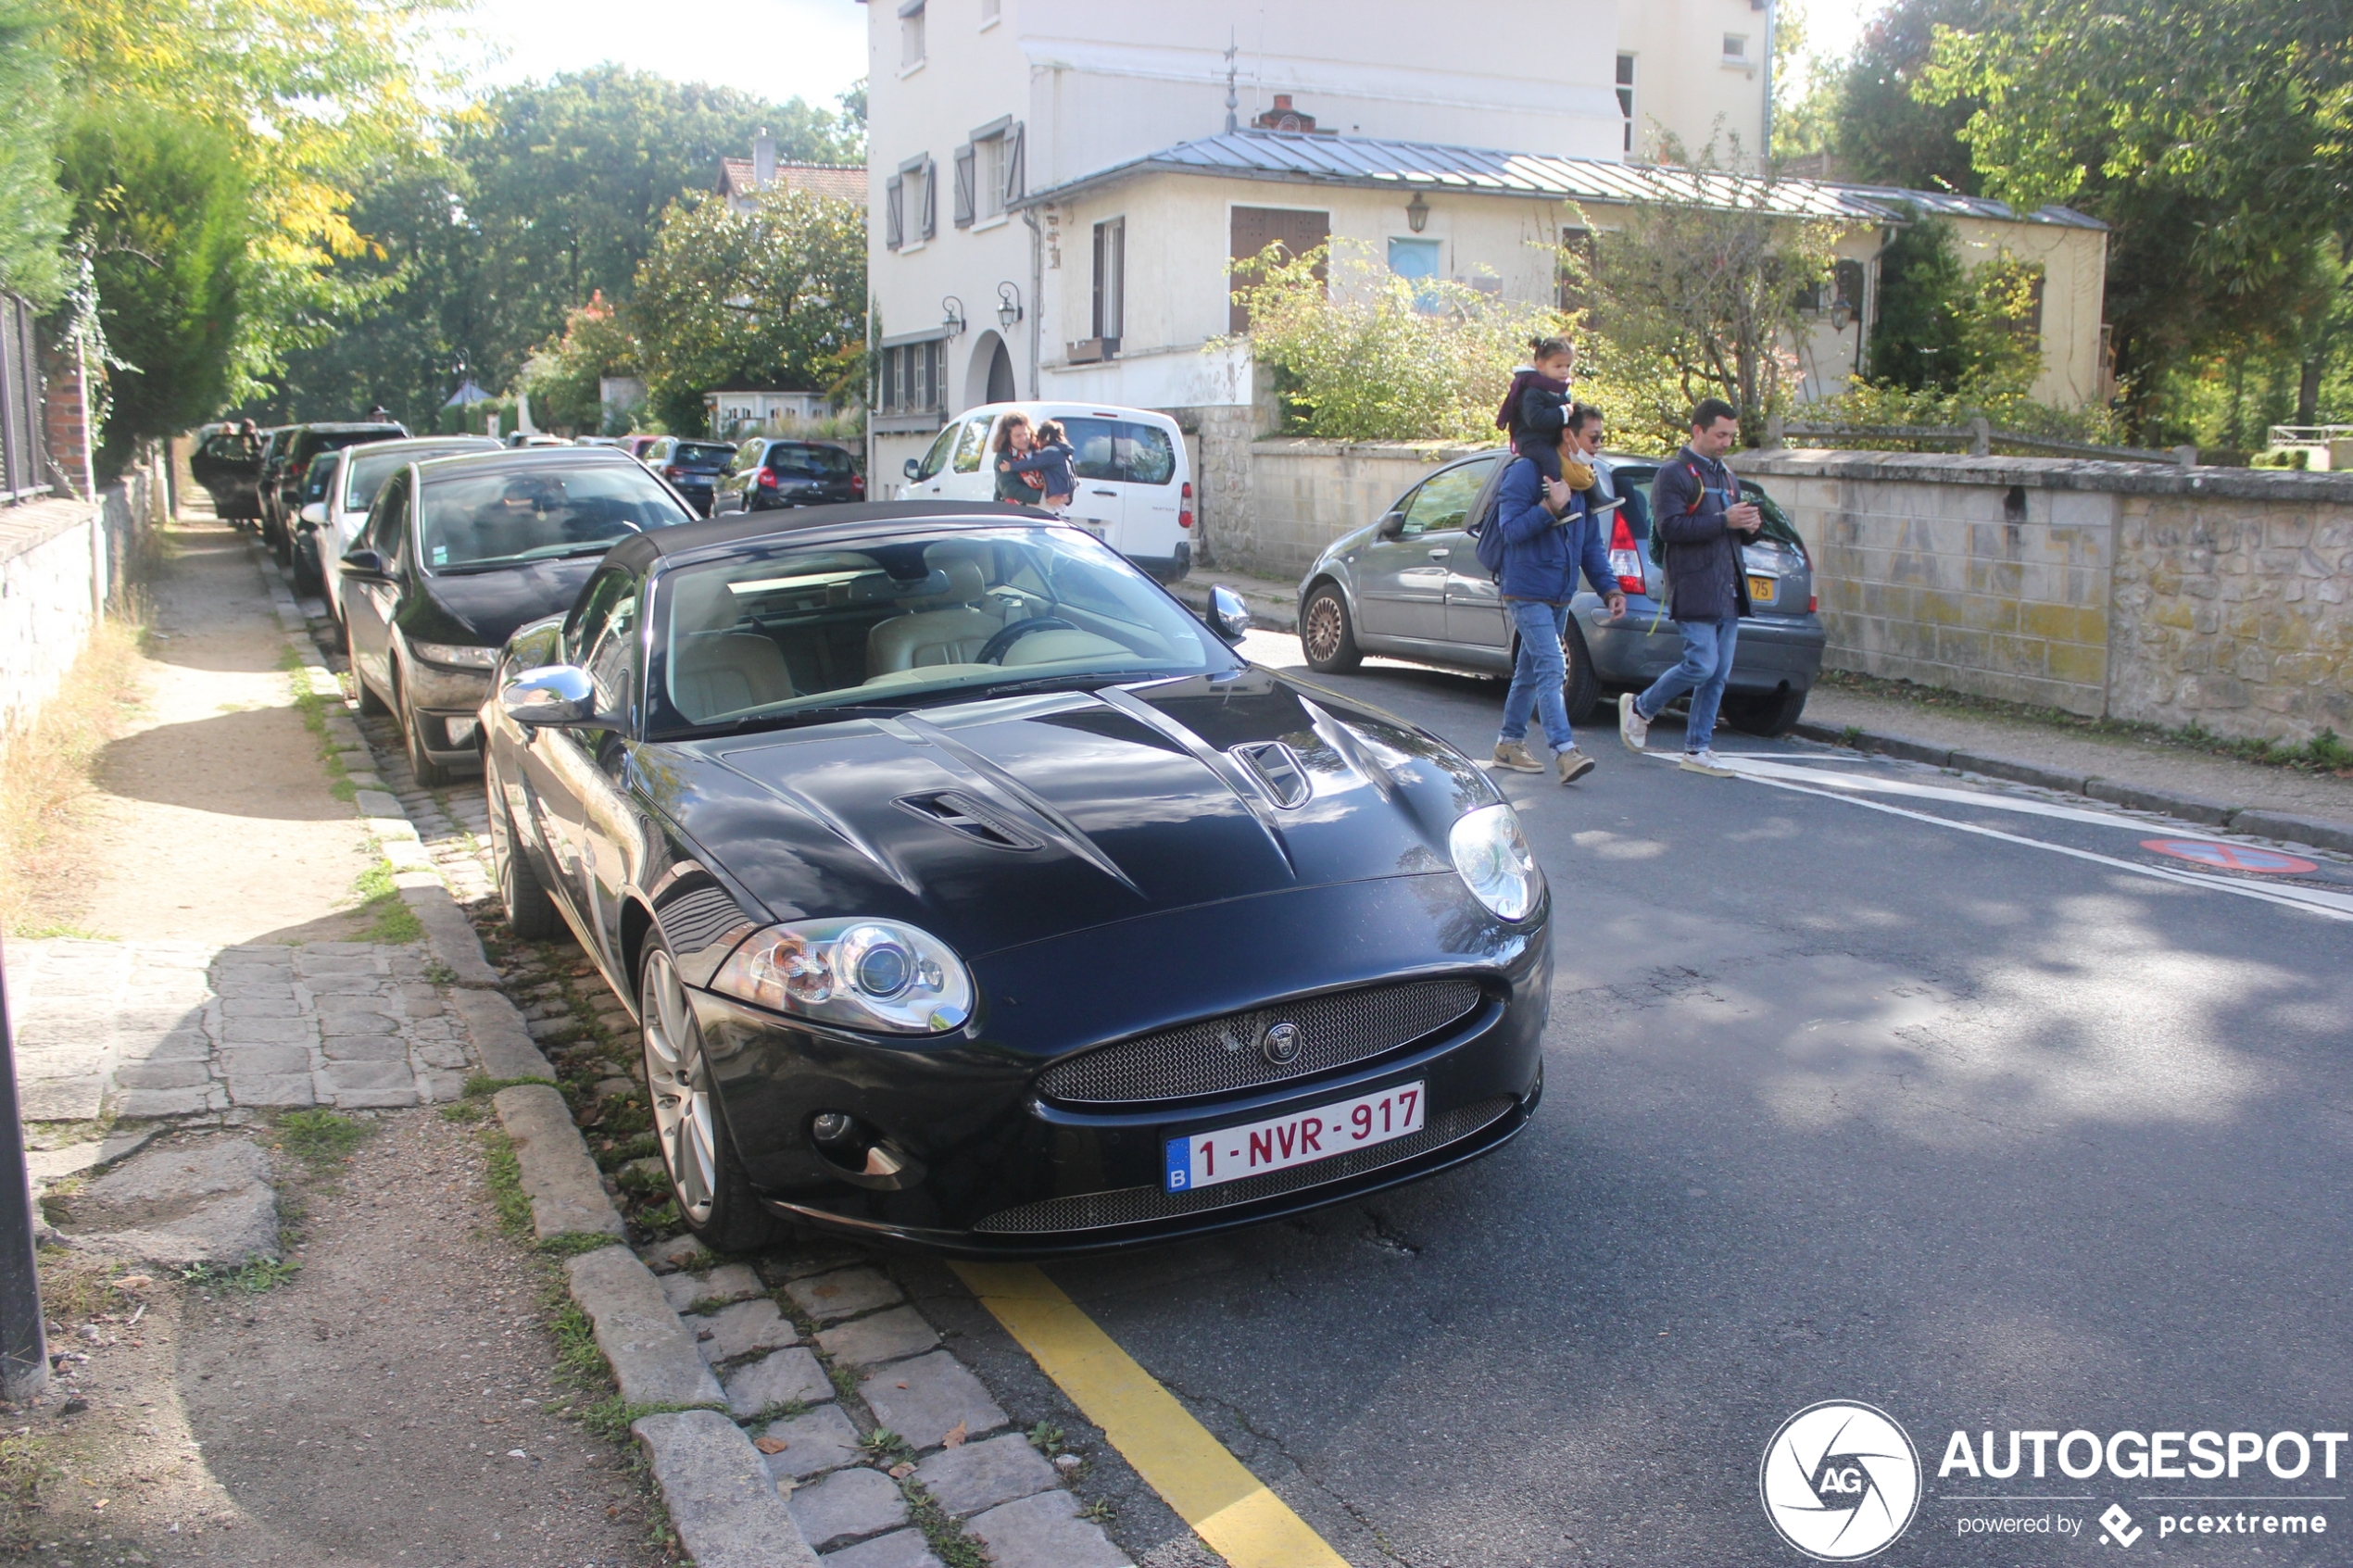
x=1538, y=672
x=1707, y=664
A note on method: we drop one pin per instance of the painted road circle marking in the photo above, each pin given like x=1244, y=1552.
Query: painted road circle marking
x=2231, y=856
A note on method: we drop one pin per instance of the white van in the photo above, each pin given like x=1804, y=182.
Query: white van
x=1135, y=487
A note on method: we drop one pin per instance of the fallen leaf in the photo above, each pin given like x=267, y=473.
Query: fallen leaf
x=133, y=1282
x=771, y=1445
x=956, y=1435
x=900, y=1471
x=902, y=1386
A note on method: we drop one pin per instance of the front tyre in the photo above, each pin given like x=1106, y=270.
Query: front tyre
x=706, y=1181
x=531, y=913
x=430, y=773
x=1581, y=688
x=1326, y=634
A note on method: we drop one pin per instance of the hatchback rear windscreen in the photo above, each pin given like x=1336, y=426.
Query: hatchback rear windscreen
x=1120, y=450
x=369, y=470
x=810, y=462
x=702, y=455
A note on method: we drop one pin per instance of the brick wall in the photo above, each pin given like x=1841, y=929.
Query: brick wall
x=2115, y=589
x=64, y=416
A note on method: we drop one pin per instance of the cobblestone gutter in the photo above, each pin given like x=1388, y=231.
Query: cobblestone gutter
x=786, y=1405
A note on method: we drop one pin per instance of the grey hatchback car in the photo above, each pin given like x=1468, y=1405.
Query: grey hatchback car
x=1410, y=587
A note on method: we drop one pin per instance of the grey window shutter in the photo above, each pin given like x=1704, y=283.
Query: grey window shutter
x=1016, y=178
x=966, y=197
x=894, y=213
x=931, y=199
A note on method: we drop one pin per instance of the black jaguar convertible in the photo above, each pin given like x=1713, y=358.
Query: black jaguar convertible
x=971, y=892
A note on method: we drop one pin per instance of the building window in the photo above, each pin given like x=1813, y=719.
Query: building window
x=913, y=374
x=910, y=34
x=1418, y=261
x=913, y=215
x=1735, y=49
x=989, y=154
x=1110, y=277
x=1625, y=98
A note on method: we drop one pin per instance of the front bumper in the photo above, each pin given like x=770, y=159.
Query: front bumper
x=996, y=1169
x=446, y=706
x=1775, y=652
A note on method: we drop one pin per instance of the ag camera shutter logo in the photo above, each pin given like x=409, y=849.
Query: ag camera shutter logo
x=1840, y=1481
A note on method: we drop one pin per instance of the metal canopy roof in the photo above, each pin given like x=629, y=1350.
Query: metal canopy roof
x=1373, y=163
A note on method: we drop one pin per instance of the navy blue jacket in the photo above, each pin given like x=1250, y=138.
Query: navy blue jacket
x=1542, y=553
x=1051, y=463
x=1702, y=556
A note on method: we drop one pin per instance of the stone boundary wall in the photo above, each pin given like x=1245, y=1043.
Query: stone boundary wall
x=2118, y=590
x=63, y=562
x=1303, y=493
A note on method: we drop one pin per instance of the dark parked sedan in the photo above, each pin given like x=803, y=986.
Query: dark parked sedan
x=291, y=459
x=970, y=892
x=765, y=473
x=691, y=467
x=460, y=551
x=1410, y=587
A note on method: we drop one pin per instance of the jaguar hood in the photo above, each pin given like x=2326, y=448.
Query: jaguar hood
x=998, y=823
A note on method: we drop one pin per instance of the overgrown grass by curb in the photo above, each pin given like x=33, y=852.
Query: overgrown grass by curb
x=48, y=779
x=319, y=1139
x=391, y=920
x=2326, y=753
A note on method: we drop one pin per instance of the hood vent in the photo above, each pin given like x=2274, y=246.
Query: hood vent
x=962, y=814
x=1274, y=767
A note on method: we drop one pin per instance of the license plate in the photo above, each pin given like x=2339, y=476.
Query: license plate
x=1762, y=590
x=1230, y=1153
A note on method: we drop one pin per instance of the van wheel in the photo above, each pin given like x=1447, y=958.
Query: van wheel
x=1771, y=714
x=1325, y=634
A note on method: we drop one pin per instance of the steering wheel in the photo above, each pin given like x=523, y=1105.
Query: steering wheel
x=993, y=650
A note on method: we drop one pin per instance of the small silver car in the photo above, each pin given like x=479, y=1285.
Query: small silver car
x=1410, y=587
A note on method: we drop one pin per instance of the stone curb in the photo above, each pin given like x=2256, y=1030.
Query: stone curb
x=654, y=1357
x=567, y=1192
x=719, y=1494
x=2251, y=821
x=500, y=1037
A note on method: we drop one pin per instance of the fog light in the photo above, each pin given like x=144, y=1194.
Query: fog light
x=833, y=1128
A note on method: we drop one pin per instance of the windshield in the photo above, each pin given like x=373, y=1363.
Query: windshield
x=498, y=516
x=779, y=633
x=370, y=469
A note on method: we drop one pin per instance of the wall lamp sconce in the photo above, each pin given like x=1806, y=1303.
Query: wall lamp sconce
x=1841, y=314
x=1416, y=213
x=954, y=319
x=1008, y=306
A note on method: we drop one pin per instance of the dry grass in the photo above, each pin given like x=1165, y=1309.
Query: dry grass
x=48, y=786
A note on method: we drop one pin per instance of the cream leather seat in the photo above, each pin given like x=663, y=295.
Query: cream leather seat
x=721, y=668
x=953, y=632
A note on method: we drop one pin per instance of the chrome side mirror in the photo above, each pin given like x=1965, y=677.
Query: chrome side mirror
x=553, y=694
x=1226, y=615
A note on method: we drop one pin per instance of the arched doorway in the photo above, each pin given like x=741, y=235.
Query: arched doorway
x=990, y=378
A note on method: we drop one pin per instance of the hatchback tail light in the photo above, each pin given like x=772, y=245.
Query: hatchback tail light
x=1185, y=517
x=1625, y=558
x=1813, y=603
x=768, y=478
x=674, y=472
x=858, y=485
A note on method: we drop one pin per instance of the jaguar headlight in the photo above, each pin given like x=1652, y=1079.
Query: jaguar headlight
x=864, y=973
x=1493, y=859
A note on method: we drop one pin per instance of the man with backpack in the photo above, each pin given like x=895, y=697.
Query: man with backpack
x=1698, y=522
x=1538, y=538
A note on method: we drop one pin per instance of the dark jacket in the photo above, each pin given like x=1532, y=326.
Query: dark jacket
x=1704, y=580
x=1011, y=486
x=1536, y=405
x=1051, y=463
x=1542, y=553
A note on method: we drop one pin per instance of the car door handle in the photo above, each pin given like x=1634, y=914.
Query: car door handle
x=1440, y=555
x=1111, y=492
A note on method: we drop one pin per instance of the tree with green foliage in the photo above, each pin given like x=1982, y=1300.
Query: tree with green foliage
x=1885, y=134
x=32, y=210
x=565, y=379
x=162, y=212
x=1946, y=326
x=2214, y=136
x=772, y=297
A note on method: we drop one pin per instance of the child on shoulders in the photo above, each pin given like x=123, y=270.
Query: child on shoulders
x=1536, y=409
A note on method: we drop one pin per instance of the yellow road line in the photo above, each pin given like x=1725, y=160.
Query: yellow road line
x=1229, y=1508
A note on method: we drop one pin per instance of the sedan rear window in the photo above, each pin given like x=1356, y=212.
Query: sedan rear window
x=492, y=516
x=369, y=470
x=1120, y=450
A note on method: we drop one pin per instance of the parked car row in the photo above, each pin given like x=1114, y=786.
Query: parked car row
x=1409, y=586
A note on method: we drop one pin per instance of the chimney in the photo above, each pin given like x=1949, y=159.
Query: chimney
x=763, y=160
x=1282, y=116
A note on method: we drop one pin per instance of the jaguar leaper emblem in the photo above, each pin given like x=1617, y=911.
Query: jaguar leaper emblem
x=1279, y=1045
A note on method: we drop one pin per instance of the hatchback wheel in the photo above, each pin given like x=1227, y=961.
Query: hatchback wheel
x=1326, y=634
x=370, y=705
x=1582, y=688
x=713, y=1196
x=1773, y=713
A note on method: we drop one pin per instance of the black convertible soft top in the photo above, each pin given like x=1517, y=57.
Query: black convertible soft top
x=645, y=548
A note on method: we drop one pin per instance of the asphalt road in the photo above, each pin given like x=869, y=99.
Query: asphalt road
x=1984, y=1115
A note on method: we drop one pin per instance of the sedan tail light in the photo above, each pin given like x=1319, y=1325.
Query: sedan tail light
x=1185, y=517
x=1625, y=558
x=768, y=478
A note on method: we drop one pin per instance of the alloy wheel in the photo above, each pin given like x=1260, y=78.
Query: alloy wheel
x=679, y=1080
x=1322, y=627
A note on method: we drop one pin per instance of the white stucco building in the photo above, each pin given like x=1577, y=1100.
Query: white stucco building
x=1056, y=186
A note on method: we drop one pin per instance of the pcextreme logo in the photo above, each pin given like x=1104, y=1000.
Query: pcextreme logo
x=1840, y=1481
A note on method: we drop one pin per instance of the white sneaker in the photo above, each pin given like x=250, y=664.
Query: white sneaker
x=1633, y=728
x=1704, y=762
